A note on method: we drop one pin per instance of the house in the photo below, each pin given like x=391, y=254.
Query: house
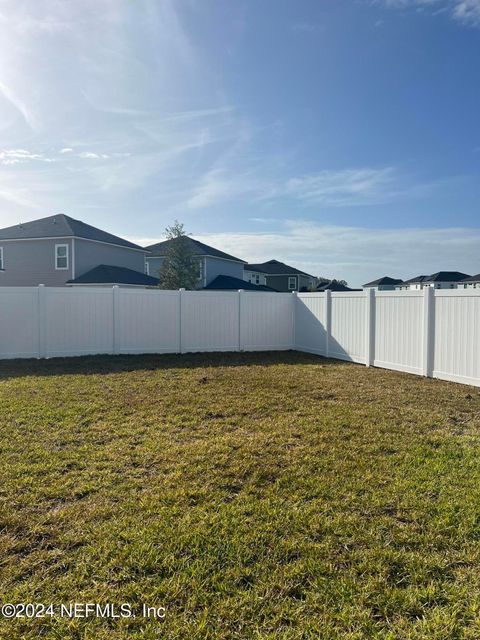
x=229, y=283
x=473, y=282
x=278, y=276
x=333, y=285
x=211, y=262
x=383, y=284
x=59, y=250
x=439, y=280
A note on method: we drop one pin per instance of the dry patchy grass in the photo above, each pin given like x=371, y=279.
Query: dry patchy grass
x=253, y=495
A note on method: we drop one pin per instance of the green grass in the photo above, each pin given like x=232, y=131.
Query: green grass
x=253, y=495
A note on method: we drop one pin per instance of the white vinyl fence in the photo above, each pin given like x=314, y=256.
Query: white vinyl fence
x=38, y=322
x=434, y=333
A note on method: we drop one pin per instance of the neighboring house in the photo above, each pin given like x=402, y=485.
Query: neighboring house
x=60, y=250
x=229, y=283
x=333, y=285
x=383, y=284
x=439, y=280
x=211, y=262
x=278, y=276
x=473, y=282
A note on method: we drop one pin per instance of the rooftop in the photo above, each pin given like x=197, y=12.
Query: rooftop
x=386, y=280
x=62, y=226
x=196, y=247
x=274, y=267
x=109, y=274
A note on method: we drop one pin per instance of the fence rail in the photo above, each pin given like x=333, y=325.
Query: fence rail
x=434, y=333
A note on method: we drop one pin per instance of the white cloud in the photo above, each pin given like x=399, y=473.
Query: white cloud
x=66, y=150
x=18, y=156
x=468, y=11
x=91, y=155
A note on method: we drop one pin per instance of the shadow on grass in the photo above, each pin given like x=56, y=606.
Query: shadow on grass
x=107, y=364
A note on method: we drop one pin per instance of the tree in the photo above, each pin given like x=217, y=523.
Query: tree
x=179, y=269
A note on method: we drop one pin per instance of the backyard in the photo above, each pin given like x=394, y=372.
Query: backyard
x=267, y=495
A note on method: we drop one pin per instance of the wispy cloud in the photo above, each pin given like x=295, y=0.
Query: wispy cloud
x=11, y=96
x=466, y=12
x=346, y=187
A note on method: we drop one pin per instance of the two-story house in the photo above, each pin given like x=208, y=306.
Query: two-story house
x=278, y=275
x=212, y=262
x=59, y=250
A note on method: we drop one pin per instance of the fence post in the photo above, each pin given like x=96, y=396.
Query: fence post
x=370, y=327
x=115, y=313
x=428, y=313
x=328, y=320
x=42, y=322
x=240, y=294
x=180, y=296
x=294, y=317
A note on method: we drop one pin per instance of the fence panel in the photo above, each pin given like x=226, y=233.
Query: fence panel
x=78, y=321
x=267, y=321
x=347, y=335
x=19, y=326
x=147, y=321
x=310, y=323
x=399, y=330
x=457, y=336
x=210, y=321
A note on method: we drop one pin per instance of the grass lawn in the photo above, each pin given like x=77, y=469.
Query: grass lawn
x=252, y=495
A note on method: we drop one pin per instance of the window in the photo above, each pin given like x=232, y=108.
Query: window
x=61, y=256
x=200, y=270
x=147, y=268
x=2, y=265
x=292, y=282
x=256, y=279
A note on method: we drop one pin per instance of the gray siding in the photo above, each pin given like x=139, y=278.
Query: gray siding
x=280, y=283
x=91, y=254
x=29, y=263
x=217, y=267
x=214, y=267
x=154, y=265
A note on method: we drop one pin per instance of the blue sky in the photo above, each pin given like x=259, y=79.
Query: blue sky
x=342, y=137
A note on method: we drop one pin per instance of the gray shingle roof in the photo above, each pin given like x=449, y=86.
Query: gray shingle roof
x=109, y=274
x=385, y=280
x=227, y=283
x=472, y=278
x=446, y=276
x=61, y=226
x=274, y=267
x=196, y=247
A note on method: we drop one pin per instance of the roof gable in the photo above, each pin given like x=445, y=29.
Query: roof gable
x=196, y=247
x=61, y=226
